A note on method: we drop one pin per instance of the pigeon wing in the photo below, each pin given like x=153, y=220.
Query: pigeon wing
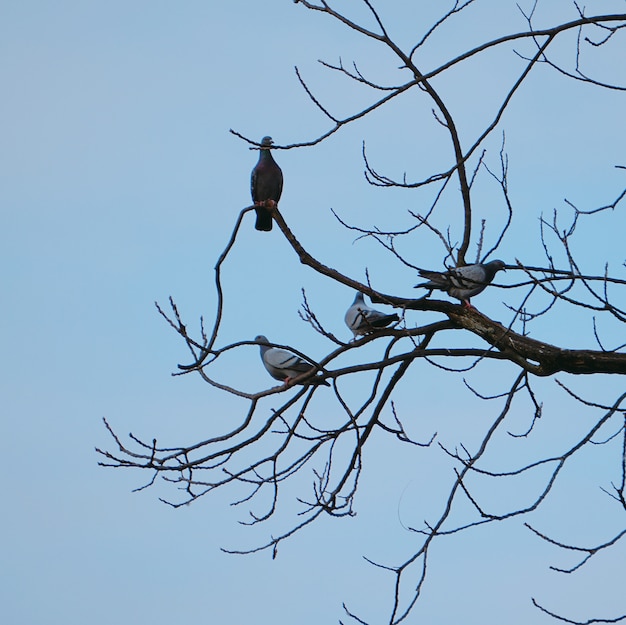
x=284, y=363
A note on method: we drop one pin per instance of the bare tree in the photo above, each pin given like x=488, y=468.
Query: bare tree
x=269, y=447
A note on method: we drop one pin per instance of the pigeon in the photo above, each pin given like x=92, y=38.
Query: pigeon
x=362, y=319
x=266, y=185
x=283, y=365
x=462, y=282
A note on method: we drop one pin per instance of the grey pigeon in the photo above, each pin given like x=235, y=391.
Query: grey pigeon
x=283, y=365
x=362, y=319
x=266, y=185
x=462, y=282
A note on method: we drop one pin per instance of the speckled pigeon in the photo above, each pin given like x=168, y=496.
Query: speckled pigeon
x=362, y=319
x=283, y=365
x=266, y=185
x=462, y=282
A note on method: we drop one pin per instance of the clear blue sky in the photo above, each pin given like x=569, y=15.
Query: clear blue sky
x=120, y=185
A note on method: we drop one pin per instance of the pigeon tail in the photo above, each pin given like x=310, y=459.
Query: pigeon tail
x=383, y=322
x=263, y=219
x=431, y=286
x=313, y=381
x=436, y=280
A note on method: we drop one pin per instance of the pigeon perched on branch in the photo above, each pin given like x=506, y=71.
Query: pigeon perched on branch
x=283, y=365
x=362, y=319
x=266, y=185
x=462, y=282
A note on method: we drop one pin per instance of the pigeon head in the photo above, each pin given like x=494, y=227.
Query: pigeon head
x=261, y=340
x=267, y=142
x=498, y=265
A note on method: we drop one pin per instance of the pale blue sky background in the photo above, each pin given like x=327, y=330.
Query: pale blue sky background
x=119, y=186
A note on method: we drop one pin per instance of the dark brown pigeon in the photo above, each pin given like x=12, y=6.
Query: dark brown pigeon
x=462, y=282
x=266, y=185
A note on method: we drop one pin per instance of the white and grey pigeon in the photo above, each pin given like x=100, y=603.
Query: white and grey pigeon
x=283, y=365
x=462, y=282
x=362, y=319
